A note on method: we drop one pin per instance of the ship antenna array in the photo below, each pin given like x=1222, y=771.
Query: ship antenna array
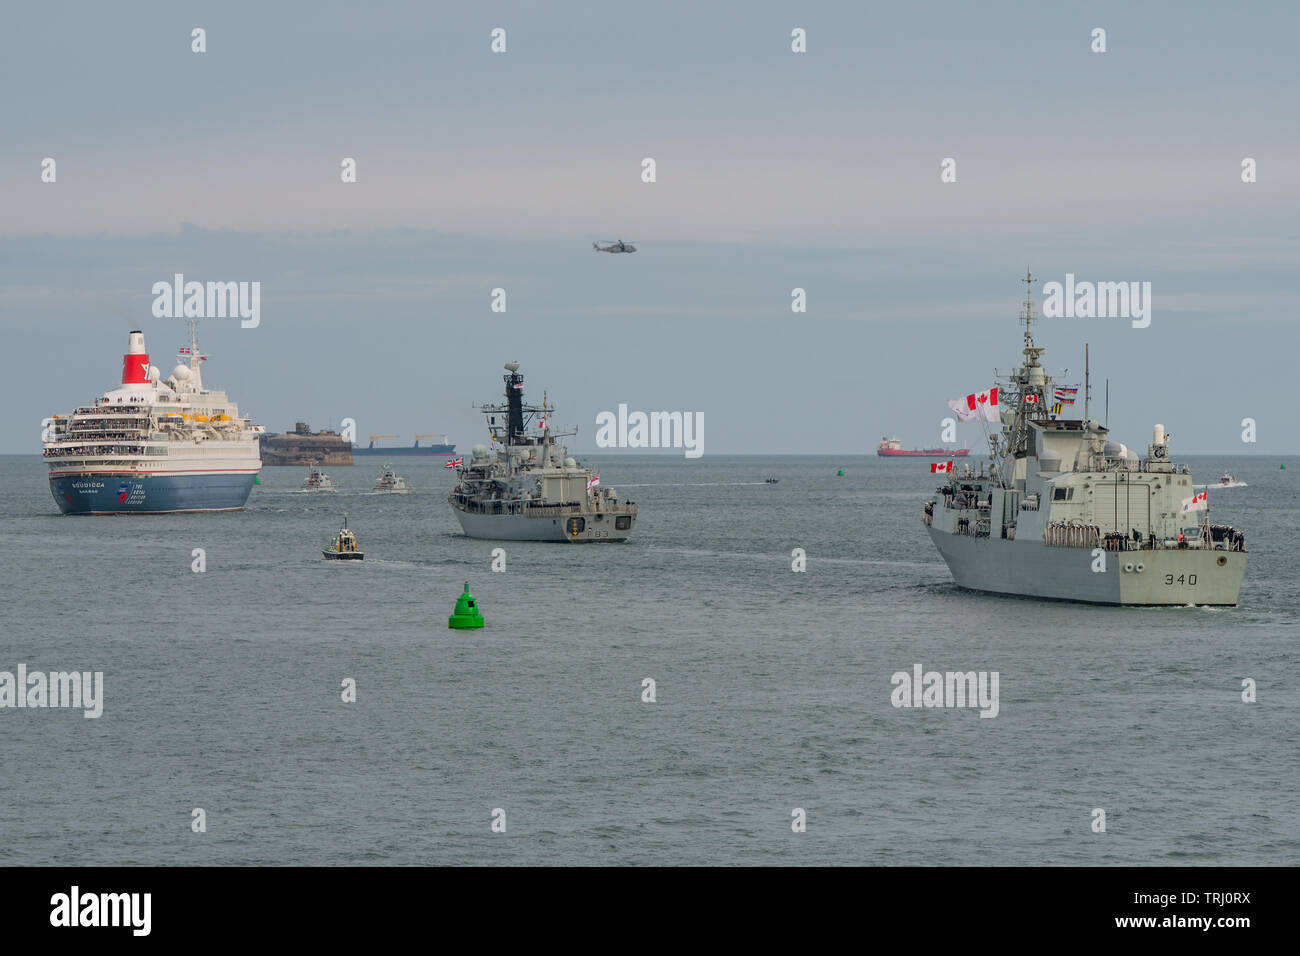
x=1031, y=352
x=195, y=360
x=1087, y=382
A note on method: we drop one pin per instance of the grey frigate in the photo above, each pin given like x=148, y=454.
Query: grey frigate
x=1063, y=512
x=528, y=488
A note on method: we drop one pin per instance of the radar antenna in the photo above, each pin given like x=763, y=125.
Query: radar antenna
x=1028, y=316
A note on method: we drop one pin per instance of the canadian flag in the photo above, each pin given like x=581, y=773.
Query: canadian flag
x=936, y=466
x=984, y=405
x=1031, y=399
x=1199, y=502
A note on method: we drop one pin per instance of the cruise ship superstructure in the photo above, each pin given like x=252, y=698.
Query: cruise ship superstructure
x=152, y=446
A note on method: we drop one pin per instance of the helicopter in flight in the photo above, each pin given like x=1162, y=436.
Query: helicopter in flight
x=619, y=246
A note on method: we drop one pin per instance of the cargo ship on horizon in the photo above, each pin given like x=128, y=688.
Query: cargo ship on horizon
x=151, y=446
x=389, y=451
x=893, y=448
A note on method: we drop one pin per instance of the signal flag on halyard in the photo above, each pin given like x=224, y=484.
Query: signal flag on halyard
x=937, y=466
x=1066, y=392
x=453, y=463
x=1199, y=502
x=593, y=481
x=1056, y=409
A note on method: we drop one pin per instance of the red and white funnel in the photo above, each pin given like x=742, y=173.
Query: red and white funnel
x=135, y=363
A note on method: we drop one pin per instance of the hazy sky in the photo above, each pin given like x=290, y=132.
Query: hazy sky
x=775, y=170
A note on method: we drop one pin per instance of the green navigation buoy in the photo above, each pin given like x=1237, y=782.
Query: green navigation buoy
x=840, y=473
x=1284, y=467
x=467, y=614
x=257, y=480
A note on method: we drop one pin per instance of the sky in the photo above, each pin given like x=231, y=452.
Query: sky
x=774, y=170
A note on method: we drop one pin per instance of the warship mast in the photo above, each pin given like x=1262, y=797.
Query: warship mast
x=1029, y=379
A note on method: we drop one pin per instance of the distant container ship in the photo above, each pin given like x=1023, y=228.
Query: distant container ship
x=893, y=448
x=390, y=451
x=302, y=446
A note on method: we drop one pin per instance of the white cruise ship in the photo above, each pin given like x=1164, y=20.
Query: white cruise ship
x=150, y=446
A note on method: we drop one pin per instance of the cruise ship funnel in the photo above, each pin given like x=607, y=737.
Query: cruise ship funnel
x=135, y=363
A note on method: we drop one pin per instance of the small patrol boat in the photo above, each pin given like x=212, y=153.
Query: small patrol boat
x=345, y=546
x=317, y=480
x=392, y=483
x=1227, y=481
x=771, y=480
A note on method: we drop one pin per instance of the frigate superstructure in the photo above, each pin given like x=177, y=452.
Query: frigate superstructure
x=1063, y=512
x=528, y=488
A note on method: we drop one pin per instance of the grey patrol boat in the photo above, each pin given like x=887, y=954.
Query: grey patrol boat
x=528, y=488
x=1065, y=513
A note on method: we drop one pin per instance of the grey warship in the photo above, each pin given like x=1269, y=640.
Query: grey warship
x=528, y=488
x=1064, y=513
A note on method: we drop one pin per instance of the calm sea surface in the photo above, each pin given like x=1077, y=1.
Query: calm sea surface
x=222, y=689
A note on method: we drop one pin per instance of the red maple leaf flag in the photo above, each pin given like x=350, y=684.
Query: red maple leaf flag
x=984, y=405
x=940, y=466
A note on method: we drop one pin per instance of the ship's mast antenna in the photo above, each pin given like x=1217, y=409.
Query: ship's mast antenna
x=1031, y=351
x=1029, y=281
x=195, y=358
x=1086, y=387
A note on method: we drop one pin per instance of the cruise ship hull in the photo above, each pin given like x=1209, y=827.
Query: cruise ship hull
x=596, y=527
x=108, y=493
x=1037, y=570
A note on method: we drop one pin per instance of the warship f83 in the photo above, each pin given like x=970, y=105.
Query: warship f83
x=529, y=489
x=1064, y=513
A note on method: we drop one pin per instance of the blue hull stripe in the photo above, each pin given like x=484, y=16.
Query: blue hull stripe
x=154, y=494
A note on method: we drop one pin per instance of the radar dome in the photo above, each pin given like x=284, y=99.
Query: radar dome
x=570, y=463
x=480, y=451
x=181, y=373
x=154, y=374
